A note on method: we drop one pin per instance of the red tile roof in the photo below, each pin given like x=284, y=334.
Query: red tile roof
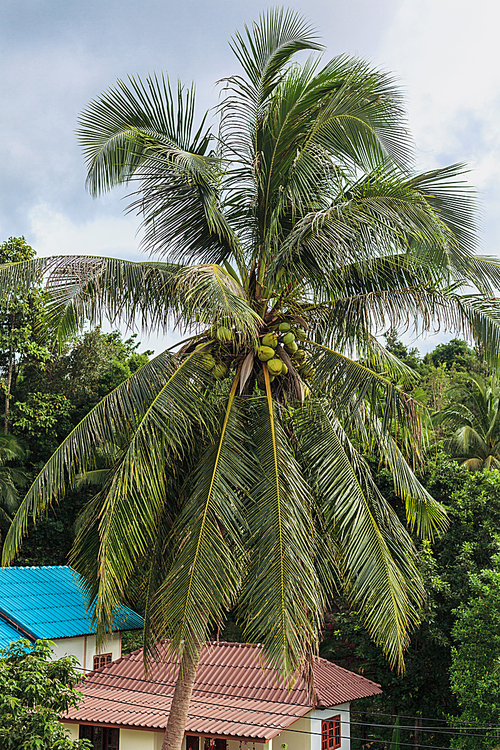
x=235, y=694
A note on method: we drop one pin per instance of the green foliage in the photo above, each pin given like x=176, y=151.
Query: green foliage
x=474, y=413
x=34, y=691
x=457, y=354
x=41, y=413
x=449, y=568
x=132, y=640
x=474, y=673
x=48, y=397
x=20, y=323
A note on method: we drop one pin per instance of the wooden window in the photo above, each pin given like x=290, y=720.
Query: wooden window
x=330, y=733
x=100, y=660
x=102, y=738
x=192, y=743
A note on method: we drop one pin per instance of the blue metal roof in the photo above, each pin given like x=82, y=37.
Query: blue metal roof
x=8, y=634
x=49, y=603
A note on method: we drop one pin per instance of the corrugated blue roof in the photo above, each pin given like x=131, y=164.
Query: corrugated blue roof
x=8, y=634
x=49, y=603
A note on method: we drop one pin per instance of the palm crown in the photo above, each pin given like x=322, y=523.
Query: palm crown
x=475, y=416
x=285, y=242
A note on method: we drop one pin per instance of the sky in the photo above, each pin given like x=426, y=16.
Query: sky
x=57, y=55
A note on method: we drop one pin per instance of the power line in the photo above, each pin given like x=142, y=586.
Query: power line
x=268, y=726
x=169, y=683
x=263, y=711
x=481, y=724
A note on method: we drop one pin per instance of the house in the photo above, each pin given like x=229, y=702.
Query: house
x=48, y=602
x=238, y=703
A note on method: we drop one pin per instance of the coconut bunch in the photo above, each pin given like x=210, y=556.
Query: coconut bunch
x=219, y=350
x=281, y=346
x=288, y=338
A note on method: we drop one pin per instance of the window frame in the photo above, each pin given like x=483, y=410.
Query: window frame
x=88, y=729
x=331, y=735
x=108, y=658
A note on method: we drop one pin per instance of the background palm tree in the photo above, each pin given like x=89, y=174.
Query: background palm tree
x=11, y=478
x=474, y=413
x=286, y=240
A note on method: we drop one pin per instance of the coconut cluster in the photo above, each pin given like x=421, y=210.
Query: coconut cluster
x=220, y=351
x=216, y=351
x=290, y=338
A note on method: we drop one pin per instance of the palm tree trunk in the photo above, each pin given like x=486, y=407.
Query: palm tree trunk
x=177, y=717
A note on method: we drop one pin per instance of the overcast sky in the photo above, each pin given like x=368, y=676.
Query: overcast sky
x=58, y=54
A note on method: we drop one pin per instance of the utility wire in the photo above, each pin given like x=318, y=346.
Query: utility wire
x=260, y=711
x=479, y=724
x=267, y=726
x=436, y=730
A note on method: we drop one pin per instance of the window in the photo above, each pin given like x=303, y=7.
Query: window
x=102, y=738
x=330, y=733
x=217, y=744
x=100, y=660
x=192, y=743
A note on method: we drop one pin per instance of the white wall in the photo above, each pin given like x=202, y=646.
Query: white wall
x=84, y=648
x=137, y=739
x=318, y=716
x=74, y=730
x=297, y=737
x=130, y=739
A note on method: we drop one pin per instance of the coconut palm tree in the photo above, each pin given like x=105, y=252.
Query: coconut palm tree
x=11, y=478
x=475, y=416
x=280, y=245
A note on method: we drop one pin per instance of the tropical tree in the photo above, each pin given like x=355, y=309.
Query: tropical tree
x=475, y=416
x=11, y=478
x=281, y=245
x=35, y=689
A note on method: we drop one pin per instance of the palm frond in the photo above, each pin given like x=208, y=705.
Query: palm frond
x=140, y=132
x=205, y=573
x=154, y=296
x=282, y=602
x=163, y=402
x=375, y=555
x=266, y=48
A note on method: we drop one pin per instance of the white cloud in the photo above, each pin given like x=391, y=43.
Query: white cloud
x=54, y=233
x=446, y=54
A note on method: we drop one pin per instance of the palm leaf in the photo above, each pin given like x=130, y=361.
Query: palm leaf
x=163, y=402
x=282, y=601
x=375, y=553
x=205, y=573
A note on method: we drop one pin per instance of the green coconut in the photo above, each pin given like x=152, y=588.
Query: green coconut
x=300, y=334
x=207, y=361
x=284, y=327
x=284, y=369
x=219, y=371
x=300, y=355
x=292, y=347
x=224, y=334
x=288, y=338
x=270, y=339
x=275, y=366
x=265, y=353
